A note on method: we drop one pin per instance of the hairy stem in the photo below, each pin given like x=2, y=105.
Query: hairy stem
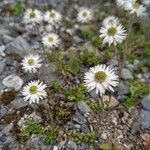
x=125, y=50
x=118, y=59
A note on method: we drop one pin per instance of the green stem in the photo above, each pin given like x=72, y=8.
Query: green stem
x=118, y=59
x=125, y=50
x=101, y=102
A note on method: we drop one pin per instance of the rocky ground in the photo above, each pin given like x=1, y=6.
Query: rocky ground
x=71, y=116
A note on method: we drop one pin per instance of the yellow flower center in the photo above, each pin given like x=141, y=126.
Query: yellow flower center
x=84, y=14
x=32, y=14
x=50, y=39
x=100, y=76
x=31, y=62
x=52, y=14
x=33, y=89
x=136, y=5
x=112, y=31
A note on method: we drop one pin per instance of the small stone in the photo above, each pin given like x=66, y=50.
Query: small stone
x=145, y=118
x=3, y=110
x=2, y=66
x=110, y=102
x=104, y=136
x=7, y=39
x=85, y=128
x=13, y=81
x=55, y=148
x=3, y=31
x=146, y=76
x=113, y=62
x=79, y=118
x=121, y=98
x=77, y=39
x=83, y=107
x=83, y=147
x=145, y=137
x=18, y=46
x=94, y=95
x=71, y=145
x=3, y=137
x=123, y=89
x=136, y=62
x=130, y=66
x=36, y=142
x=2, y=49
x=19, y=103
x=126, y=74
x=146, y=102
x=8, y=128
x=70, y=31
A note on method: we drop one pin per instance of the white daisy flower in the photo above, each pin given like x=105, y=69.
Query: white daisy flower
x=31, y=63
x=135, y=8
x=122, y=2
x=53, y=17
x=34, y=91
x=113, y=34
x=111, y=20
x=51, y=40
x=84, y=15
x=32, y=16
x=101, y=78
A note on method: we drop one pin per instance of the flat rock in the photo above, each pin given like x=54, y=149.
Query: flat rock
x=13, y=81
x=113, y=62
x=126, y=74
x=3, y=31
x=18, y=46
x=83, y=107
x=146, y=102
x=19, y=103
x=2, y=49
x=3, y=110
x=7, y=39
x=110, y=102
x=93, y=95
x=79, y=118
x=123, y=89
x=145, y=118
x=71, y=145
x=2, y=66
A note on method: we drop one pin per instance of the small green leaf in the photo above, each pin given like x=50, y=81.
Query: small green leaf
x=105, y=147
x=73, y=66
